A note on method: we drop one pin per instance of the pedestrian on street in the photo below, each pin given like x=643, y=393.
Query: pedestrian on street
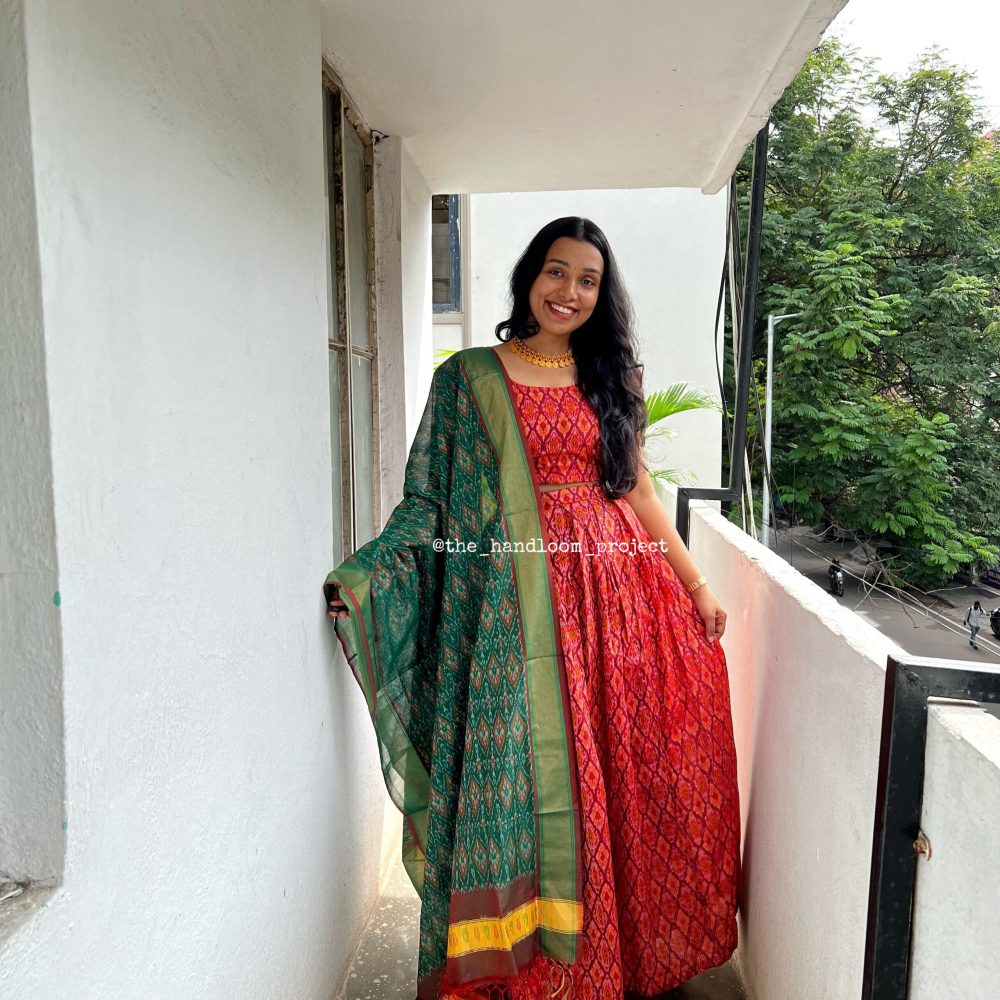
x=974, y=619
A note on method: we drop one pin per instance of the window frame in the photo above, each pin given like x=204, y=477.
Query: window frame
x=460, y=317
x=340, y=113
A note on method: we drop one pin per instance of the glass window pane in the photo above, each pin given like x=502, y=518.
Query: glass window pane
x=357, y=235
x=445, y=253
x=331, y=136
x=336, y=456
x=364, y=468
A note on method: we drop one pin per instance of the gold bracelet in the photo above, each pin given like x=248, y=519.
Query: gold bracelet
x=700, y=582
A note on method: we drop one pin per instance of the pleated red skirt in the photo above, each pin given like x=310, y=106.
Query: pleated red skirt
x=653, y=733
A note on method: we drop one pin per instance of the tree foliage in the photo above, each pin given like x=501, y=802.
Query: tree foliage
x=882, y=232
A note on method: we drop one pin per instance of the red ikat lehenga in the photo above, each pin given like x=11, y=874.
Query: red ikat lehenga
x=652, y=730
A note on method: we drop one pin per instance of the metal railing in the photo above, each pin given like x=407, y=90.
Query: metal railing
x=898, y=841
x=741, y=279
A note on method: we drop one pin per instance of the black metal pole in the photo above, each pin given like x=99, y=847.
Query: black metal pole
x=743, y=338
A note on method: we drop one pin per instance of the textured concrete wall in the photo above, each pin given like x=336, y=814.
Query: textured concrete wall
x=956, y=934
x=415, y=217
x=807, y=677
x=403, y=279
x=31, y=752
x=223, y=796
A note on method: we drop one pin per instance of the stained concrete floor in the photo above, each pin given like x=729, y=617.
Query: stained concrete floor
x=385, y=963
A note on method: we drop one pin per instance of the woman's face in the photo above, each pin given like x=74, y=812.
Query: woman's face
x=565, y=293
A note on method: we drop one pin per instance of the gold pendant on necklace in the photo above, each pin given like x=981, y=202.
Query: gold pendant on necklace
x=534, y=357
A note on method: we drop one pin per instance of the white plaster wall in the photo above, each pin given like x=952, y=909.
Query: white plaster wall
x=807, y=677
x=222, y=787
x=669, y=244
x=415, y=204
x=956, y=933
x=403, y=295
x=31, y=758
x=392, y=368
x=403, y=277
x=447, y=334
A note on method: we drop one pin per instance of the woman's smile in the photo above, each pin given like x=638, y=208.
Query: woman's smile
x=561, y=312
x=572, y=273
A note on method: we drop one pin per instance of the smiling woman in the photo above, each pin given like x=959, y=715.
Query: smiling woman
x=554, y=713
x=565, y=292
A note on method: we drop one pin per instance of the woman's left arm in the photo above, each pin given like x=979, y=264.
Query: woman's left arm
x=654, y=518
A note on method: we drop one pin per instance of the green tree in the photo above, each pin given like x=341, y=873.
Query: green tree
x=882, y=230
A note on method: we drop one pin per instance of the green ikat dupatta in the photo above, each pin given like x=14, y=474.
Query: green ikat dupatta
x=453, y=636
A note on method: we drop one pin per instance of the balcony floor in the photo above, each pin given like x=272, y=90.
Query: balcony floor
x=385, y=963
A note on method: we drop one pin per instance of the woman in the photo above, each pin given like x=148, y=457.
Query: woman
x=540, y=656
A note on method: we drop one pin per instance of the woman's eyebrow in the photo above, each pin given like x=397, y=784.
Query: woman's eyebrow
x=556, y=260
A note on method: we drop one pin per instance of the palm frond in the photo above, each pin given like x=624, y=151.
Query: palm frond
x=676, y=477
x=661, y=433
x=678, y=398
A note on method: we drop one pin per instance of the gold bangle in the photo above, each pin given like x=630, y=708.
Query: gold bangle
x=700, y=582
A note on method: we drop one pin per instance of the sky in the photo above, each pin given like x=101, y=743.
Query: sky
x=896, y=31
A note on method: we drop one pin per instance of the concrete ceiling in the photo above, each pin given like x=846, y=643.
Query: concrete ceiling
x=532, y=95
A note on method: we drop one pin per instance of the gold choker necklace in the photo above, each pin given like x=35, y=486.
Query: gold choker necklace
x=532, y=356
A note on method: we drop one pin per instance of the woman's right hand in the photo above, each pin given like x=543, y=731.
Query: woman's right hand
x=335, y=606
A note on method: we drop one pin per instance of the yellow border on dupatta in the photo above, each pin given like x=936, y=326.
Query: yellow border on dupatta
x=558, y=907
x=563, y=916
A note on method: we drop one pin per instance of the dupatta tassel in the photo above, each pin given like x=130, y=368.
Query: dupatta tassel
x=543, y=978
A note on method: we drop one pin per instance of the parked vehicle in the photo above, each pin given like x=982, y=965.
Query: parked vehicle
x=836, y=577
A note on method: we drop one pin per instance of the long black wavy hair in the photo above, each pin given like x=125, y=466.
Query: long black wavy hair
x=604, y=348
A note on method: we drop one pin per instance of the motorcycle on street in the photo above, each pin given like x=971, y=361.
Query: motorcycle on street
x=836, y=577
